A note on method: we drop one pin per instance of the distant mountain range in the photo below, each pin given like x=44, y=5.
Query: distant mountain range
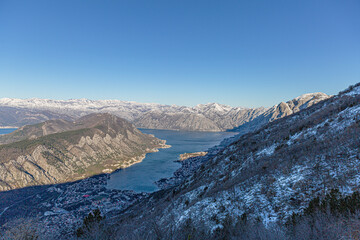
x=58, y=151
x=203, y=117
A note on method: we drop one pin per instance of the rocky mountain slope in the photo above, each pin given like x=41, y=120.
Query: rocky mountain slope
x=267, y=175
x=59, y=151
x=281, y=110
x=203, y=117
x=176, y=121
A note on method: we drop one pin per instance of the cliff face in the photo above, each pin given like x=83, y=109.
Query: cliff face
x=61, y=151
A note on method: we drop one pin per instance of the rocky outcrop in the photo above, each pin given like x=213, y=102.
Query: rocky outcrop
x=52, y=154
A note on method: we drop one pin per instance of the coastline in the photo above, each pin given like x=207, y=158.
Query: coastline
x=134, y=160
x=185, y=156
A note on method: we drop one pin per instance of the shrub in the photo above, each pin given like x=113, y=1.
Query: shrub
x=92, y=224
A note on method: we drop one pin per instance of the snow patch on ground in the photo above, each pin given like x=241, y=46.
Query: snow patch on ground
x=295, y=176
x=293, y=138
x=354, y=92
x=346, y=118
x=267, y=151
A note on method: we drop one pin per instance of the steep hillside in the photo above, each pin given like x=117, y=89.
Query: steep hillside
x=58, y=151
x=226, y=117
x=203, y=117
x=266, y=175
x=281, y=110
x=176, y=121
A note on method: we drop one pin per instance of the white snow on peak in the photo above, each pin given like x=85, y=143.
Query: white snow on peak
x=127, y=109
x=215, y=107
x=309, y=96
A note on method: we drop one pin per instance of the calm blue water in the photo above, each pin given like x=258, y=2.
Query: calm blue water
x=6, y=130
x=141, y=176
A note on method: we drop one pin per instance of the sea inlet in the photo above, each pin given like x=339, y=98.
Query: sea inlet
x=141, y=176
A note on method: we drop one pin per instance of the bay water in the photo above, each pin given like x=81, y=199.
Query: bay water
x=6, y=130
x=141, y=176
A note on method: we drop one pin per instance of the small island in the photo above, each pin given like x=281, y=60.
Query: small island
x=190, y=155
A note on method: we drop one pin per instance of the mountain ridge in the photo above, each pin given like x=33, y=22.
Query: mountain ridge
x=202, y=117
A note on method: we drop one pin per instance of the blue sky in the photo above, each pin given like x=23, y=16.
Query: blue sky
x=241, y=53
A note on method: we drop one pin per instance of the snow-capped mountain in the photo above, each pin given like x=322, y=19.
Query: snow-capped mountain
x=203, y=117
x=75, y=107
